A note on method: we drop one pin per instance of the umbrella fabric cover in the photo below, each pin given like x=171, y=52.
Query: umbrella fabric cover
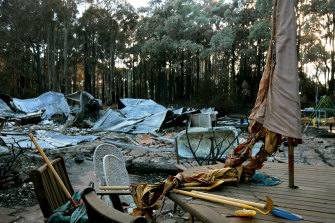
x=278, y=105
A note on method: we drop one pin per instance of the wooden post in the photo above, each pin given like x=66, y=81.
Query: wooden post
x=290, y=163
x=176, y=149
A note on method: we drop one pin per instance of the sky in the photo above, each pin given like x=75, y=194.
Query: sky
x=138, y=3
x=135, y=3
x=142, y=3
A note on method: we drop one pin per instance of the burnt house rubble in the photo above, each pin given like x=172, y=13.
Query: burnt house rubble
x=85, y=108
x=59, y=121
x=147, y=133
x=62, y=123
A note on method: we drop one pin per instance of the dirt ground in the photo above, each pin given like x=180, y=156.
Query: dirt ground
x=18, y=202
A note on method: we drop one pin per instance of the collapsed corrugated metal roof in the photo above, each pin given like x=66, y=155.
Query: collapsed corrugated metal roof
x=5, y=111
x=137, y=116
x=140, y=108
x=52, y=102
x=46, y=139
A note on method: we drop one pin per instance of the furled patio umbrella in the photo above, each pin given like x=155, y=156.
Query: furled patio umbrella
x=277, y=109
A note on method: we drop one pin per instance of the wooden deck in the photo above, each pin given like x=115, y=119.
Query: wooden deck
x=314, y=199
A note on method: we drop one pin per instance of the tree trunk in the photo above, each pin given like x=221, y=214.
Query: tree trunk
x=49, y=59
x=103, y=88
x=15, y=83
x=188, y=77
x=145, y=86
x=106, y=93
x=121, y=88
x=208, y=73
x=158, y=83
x=225, y=68
x=152, y=83
x=126, y=77
x=133, y=93
x=112, y=47
x=94, y=66
x=64, y=79
x=44, y=70
x=38, y=70
x=87, y=75
x=181, y=84
x=53, y=59
x=116, y=85
x=140, y=82
x=163, y=84
x=75, y=73
x=259, y=58
x=332, y=80
x=197, y=84
x=332, y=58
x=233, y=60
x=171, y=81
x=299, y=43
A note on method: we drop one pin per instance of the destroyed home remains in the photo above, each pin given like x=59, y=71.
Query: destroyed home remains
x=171, y=111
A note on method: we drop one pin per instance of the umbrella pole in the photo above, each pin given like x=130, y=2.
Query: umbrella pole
x=290, y=163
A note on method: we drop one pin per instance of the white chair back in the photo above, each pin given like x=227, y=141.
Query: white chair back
x=116, y=174
x=100, y=152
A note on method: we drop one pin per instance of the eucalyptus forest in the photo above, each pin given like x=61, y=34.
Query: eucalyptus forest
x=173, y=51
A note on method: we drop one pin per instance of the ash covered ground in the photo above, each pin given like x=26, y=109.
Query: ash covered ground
x=17, y=197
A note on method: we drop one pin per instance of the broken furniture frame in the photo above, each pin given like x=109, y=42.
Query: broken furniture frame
x=213, y=150
x=99, y=211
x=114, y=197
x=48, y=192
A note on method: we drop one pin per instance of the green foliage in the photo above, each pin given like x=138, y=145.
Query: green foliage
x=222, y=40
x=173, y=50
x=264, y=7
x=261, y=30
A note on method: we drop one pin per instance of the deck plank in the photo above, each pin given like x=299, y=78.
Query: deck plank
x=314, y=198
x=274, y=196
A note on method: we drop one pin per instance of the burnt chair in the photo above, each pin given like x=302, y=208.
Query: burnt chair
x=48, y=192
x=99, y=211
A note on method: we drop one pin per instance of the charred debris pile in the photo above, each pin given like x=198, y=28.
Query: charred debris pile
x=73, y=125
x=60, y=122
